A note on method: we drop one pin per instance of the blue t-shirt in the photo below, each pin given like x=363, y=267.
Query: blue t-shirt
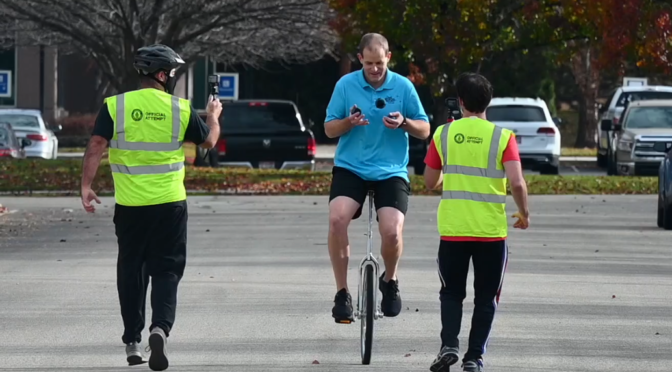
x=374, y=152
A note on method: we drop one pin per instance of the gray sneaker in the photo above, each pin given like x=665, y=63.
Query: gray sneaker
x=446, y=358
x=134, y=354
x=158, y=359
x=473, y=366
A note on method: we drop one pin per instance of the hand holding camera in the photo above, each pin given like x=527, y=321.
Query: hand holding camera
x=356, y=117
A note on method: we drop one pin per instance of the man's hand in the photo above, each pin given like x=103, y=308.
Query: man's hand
x=87, y=197
x=357, y=118
x=393, y=122
x=214, y=107
x=523, y=220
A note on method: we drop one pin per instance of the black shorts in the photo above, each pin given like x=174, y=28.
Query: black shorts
x=392, y=192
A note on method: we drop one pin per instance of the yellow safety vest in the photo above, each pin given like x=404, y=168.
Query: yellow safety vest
x=473, y=200
x=146, y=153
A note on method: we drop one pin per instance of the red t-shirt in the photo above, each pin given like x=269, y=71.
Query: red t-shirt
x=433, y=160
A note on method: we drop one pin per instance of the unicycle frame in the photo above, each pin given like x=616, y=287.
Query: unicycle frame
x=369, y=260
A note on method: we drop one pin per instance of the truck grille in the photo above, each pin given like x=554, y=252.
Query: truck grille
x=653, y=148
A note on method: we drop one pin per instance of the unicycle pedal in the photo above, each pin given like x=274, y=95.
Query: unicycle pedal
x=344, y=321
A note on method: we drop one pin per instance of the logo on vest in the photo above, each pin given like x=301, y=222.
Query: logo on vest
x=136, y=115
x=459, y=138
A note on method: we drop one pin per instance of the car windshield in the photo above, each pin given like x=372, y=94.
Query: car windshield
x=259, y=116
x=20, y=121
x=649, y=117
x=627, y=97
x=517, y=113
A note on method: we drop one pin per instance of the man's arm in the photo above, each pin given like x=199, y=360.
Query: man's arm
x=417, y=122
x=200, y=133
x=102, y=133
x=338, y=120
x=514, y=172
x=433, y=170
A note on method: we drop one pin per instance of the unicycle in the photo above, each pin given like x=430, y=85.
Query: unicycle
x=368, y=309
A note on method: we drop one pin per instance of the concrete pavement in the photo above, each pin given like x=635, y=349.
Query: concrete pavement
x=588, y=288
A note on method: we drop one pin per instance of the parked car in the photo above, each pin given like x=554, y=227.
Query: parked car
x=11, y=147
x=30, y=125
x=614, y=108
x=664, y=218
x=265, y=134
x=641, y=140
x=536, y=131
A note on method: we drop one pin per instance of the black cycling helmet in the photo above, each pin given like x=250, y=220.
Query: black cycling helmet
x=155, y=58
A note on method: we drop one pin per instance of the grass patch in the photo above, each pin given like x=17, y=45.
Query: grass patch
x=572, y=151
x=63, y=176
x=71, y=149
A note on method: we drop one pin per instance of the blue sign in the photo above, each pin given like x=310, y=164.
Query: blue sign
x=228, y=86
x=5, y=83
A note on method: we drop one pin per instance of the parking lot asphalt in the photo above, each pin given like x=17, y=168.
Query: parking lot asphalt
x=588, y=288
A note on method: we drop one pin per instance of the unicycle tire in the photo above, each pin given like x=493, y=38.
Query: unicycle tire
x=369, y=312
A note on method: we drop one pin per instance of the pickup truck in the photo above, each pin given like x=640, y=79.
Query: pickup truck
x=263, y=134
x=641, y=138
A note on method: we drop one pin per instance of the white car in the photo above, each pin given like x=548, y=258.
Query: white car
x=30, y=125
x=536, y=131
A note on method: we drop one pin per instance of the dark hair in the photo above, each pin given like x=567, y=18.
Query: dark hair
x=372, y=40
x=475, y=91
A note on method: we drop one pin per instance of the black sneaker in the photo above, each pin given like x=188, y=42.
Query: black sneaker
x=446, y=358
x=473, y=366
x=342, y=310
x=391, y=303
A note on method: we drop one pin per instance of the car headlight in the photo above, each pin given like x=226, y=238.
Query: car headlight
x=625, y=145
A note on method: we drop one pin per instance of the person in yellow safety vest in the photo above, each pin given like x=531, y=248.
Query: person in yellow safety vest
x=145, y=130
x=472, y=158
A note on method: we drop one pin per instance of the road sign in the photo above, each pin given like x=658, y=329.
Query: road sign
x=635, y=81
x=228, y=86
x=5, y=83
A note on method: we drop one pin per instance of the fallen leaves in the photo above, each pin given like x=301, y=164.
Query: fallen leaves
x=63, y=176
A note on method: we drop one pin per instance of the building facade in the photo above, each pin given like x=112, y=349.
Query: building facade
x=34, y=78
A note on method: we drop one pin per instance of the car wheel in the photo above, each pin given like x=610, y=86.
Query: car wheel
x=199, y=158
x=601, y=161
x=661, y=212
x=550, y=170
x=213, y=158
x=419, y=168
x=611, y=165
x=667, y=217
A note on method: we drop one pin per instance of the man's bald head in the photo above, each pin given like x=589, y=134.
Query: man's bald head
x=374, y=54
x=373, y=41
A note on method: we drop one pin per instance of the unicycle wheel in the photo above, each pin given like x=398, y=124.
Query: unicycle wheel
x=369, y=309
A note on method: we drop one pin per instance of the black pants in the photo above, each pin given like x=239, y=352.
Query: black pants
x=489, y=259
x=152, y=243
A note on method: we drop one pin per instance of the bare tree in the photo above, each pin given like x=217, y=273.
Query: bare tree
x=230, y=31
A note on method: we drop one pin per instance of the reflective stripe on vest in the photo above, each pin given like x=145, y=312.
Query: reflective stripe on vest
x=147, y=169
x=490, y=172
x=121, y=143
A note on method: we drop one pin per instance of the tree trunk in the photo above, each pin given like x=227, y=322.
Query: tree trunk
x=345, y=65
x=587, y=77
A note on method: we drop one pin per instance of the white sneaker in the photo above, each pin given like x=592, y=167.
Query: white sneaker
x=134, y=354
x=158, y=359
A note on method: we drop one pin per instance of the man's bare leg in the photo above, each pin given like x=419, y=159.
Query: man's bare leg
x=341, y=210
x=391, y=225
